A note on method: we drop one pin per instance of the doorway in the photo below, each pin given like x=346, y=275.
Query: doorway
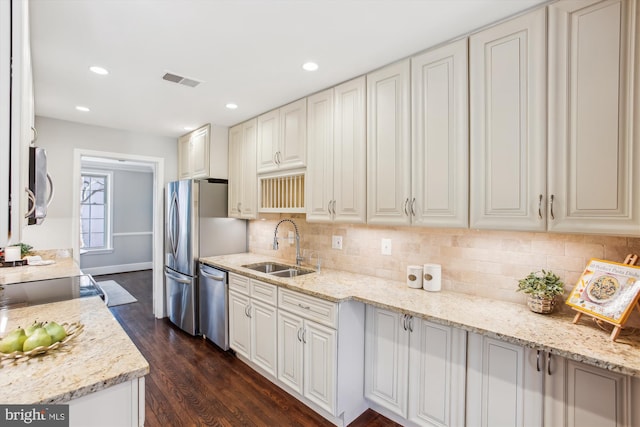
x=155, y=166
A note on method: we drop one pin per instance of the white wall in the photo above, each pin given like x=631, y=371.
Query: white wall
x=60, y=138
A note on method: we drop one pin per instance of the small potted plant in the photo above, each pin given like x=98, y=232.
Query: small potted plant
x=542, y=288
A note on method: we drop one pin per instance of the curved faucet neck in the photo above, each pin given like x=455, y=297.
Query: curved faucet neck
x=275, y=238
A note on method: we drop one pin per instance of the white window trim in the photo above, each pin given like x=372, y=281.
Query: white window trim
x=108, y=248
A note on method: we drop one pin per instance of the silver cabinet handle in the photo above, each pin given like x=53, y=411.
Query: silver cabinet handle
x=247, y=310
x=410, y=321
x=549, y=363
x=552, y=215
x=333, y=206
x=404, y=322
x=538, y=361
x=211, y=276
x=413, y=207
x=275, y=158
x=304, y=336
x=304, y=307
x=404, y=208
x=300, y=334
x=239, y=206
x=174, y=222
x=35, y=135
x=540, y=206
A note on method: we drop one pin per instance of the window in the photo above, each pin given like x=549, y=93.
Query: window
x=95, y=230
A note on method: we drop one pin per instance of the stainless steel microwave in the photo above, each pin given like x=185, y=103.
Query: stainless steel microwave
x=40, y=190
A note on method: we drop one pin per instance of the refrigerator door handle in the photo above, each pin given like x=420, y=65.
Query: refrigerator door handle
x=177, y=278
x=211, y=276
x=174, y=224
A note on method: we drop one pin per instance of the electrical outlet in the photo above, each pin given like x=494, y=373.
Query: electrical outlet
x=336, y=242
x=386, y=247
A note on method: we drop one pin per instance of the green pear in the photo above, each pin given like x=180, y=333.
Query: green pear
x=55, y=331
x=32, y=328
x=39, y=338
x=13, y=341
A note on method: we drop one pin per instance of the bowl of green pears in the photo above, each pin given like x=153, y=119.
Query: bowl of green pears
x=38, y=338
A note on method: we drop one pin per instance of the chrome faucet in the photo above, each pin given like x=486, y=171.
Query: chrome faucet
x=275, y=239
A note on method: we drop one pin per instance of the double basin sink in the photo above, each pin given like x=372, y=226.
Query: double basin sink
x=279, y=270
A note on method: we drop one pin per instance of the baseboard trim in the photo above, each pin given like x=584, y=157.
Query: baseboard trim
x=122, y=268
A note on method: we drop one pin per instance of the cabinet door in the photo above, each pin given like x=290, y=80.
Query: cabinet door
x=319, y=174
x=440, y=137
x=292, y=148
x=235, y=170
x=263, y=336
x=388, y=145
x=386, y=359
x=579, y=395
x=239, y=324
x=350, y=153
x=437, y=368
x=320, y=365
x=504, y=386
x=249, y=194
x=7, y=162
x=593, y=165
x=199, y=142
x=290, y=351
x=508, y=124
x=184, y=157
x=267, y=141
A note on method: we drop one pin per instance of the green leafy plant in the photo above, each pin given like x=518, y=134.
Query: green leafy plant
x=542, y=283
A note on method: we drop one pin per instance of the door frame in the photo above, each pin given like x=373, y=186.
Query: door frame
x=157, y=164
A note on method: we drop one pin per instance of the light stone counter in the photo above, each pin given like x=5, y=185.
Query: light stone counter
x=514, y=323
x=62, y=267
x=101, y=356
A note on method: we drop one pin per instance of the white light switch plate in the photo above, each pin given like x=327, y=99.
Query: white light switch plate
x=386, y=247
x=336, y=242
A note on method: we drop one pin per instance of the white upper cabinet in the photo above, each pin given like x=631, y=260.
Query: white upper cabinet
x=594, y=160
x=508, y=124
x=242, y=171
x=440, y=137
x=203, y=153
x=282, y=138
x=389, y=145
x=336, y=172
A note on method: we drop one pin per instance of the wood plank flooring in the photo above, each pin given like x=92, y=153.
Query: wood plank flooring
x=194, y=383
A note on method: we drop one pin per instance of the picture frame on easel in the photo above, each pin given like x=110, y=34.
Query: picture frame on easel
x=608, y=291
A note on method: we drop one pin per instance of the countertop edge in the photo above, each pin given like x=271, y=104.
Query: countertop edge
x=556, y=346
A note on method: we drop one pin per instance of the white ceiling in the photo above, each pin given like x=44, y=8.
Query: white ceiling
x=248, y=52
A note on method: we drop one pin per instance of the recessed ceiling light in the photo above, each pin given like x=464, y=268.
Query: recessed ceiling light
x=231, y=106
x=310, y=66
x=99, y=70
x=82, y=108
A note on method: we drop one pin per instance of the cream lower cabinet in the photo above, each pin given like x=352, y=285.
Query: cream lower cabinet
x=119, y=405
x=504, y=384
x=414, y=368
x=243, y=180
x=321, y=353
x=253, y=322
x=580, y=395
x=335, y=183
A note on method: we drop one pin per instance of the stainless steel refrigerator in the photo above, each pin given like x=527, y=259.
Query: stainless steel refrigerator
x=196, y=226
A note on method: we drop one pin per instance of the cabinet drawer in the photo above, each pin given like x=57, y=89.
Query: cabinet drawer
x=239, y=283
x=264, y=292
x=312, y=308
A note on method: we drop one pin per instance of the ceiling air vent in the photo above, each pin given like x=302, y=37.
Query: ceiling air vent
x=170, y=77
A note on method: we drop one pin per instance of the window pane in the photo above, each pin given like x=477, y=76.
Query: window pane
x=85, y=211
x=97, y=197
x=97, y=240
x=97, y=225
x=93, y=211
x=97, y=211
x=86, y=223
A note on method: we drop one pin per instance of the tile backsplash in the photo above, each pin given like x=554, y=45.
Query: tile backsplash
x=479, y=262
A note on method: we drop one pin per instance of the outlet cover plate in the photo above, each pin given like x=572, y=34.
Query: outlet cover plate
x=386, y=247
x=336, y=242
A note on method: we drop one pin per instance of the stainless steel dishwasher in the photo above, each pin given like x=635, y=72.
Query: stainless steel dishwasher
x=213, y=305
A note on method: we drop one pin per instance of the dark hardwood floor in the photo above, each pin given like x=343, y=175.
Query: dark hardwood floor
x=194, y=383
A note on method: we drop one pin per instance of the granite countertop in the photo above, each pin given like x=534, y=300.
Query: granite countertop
x=62, y=267
x=515, y=323
x=99, y=357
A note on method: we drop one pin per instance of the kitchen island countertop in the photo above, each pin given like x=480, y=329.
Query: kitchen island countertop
x=62, y=267
x=515, y=323
x=102, y=355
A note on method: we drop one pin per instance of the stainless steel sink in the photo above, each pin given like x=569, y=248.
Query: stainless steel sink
x=292, y=272
x=279, y=270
